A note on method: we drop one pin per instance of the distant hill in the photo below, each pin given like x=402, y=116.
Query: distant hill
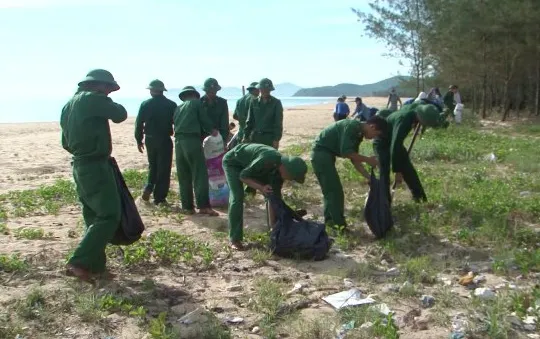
x=353, y=90
x=282, y=90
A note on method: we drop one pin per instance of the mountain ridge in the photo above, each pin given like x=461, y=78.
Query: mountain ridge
x=379, y=88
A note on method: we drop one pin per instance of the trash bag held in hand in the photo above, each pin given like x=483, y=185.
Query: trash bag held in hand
x=218, y=188
x=377, y=209
x=294, y=237
x=131, y=225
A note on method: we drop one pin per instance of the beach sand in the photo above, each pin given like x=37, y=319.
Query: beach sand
x=32, y=155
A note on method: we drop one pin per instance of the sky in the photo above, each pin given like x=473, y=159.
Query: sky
x=49, y=45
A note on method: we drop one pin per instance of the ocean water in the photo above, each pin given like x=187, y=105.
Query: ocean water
x=49, y=109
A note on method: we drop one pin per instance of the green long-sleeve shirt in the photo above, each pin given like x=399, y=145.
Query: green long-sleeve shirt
x=85, y=125
x=241, y=110
x=258, y=162
x=400, y=124
x=218, y=112
x=341, y=138
x=266, y=117
x=190, y=118
x=155, y=118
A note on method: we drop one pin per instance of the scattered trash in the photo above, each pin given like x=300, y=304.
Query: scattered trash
x=479, y=279
x=298, y=287
x=484, y=293
x=514, y=320
x=524, y=193
x=459, y=326
x=191, y=317
x=427, y=301
x=235, y=288
x=491, y=157
x=529, y=323
x=352, y=297
x=348, y=283
x=383, y=309
x=344, y=329
x=390, y=288
x=466, y=279
x=421, y=323
x=255, y=330
x=457, y=335
x=234, y=320
x=394, y=271
x=533, y=336
x=367, y=326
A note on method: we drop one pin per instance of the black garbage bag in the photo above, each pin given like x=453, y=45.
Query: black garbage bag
x=377, y=209
x=131, y=225
x=294, y=237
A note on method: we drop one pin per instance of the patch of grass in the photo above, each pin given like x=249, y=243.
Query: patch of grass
x=4, y=230
x=33, y=306
x=135, y=180
x=268, y=298
x=10, y=328
x=419, y=270
x=315, y=329
x=258, y=239
x=32, y=233
x=44, y=200
x=383, y=326
x=167, y=247
x=343, y=240
x=260, y=256
x=160, y=329
x=12, y=263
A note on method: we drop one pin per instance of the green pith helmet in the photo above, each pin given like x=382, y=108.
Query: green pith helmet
x=266, y=84
x=156, y=85
x=296, y=167
x=252, y=86
x=188, y=90
x=429, y=115
x=211, y=84
x=101, y=75
x=384, y=113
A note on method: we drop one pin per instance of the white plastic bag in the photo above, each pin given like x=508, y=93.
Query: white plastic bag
x=213, y=148
x=458, y=113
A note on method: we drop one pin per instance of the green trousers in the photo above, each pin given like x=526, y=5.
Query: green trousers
x=101, y=207
x=159, y=151
x=192, y=172
x=236, y=196
x=381, y=147
x=324, y=166
x=262, y=138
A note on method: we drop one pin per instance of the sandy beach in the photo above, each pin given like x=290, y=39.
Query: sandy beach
x=32, y=155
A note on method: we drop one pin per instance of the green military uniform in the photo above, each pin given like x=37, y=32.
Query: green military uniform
x=87, y=136
x=191, y=122
x=337, y=140
x=260, y=163
x=242, y=108
x=155, y=123
x=217, y=110
x=448, y=100
x=391, y=152
x=264, y=123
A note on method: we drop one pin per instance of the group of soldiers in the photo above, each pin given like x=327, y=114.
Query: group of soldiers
x=255, y=162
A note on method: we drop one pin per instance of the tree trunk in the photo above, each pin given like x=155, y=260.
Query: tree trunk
x=484, y=78
x=537, y=98
x=509, y=75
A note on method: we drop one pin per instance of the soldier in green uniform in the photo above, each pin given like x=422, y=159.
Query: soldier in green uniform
x=342, y=139
x=242, y=107
x=264, y=123
x=154, y=124
x=391, y=151
x=262, y=168
x=216, y=108
x=449, y=100
x=191, y=122
x=86, y=135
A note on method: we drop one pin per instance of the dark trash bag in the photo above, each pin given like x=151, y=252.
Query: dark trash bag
x=131, y=225
x=294, y=237
x=377, y=209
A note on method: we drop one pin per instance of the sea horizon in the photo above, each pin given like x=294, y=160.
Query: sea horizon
x=45, y=110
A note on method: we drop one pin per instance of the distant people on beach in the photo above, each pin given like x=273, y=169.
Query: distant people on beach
x=361, y=112
x=393, y=100
x=342, y=110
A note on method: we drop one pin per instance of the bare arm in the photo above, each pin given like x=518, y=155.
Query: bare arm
x=265, y=189
x=358, y=161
